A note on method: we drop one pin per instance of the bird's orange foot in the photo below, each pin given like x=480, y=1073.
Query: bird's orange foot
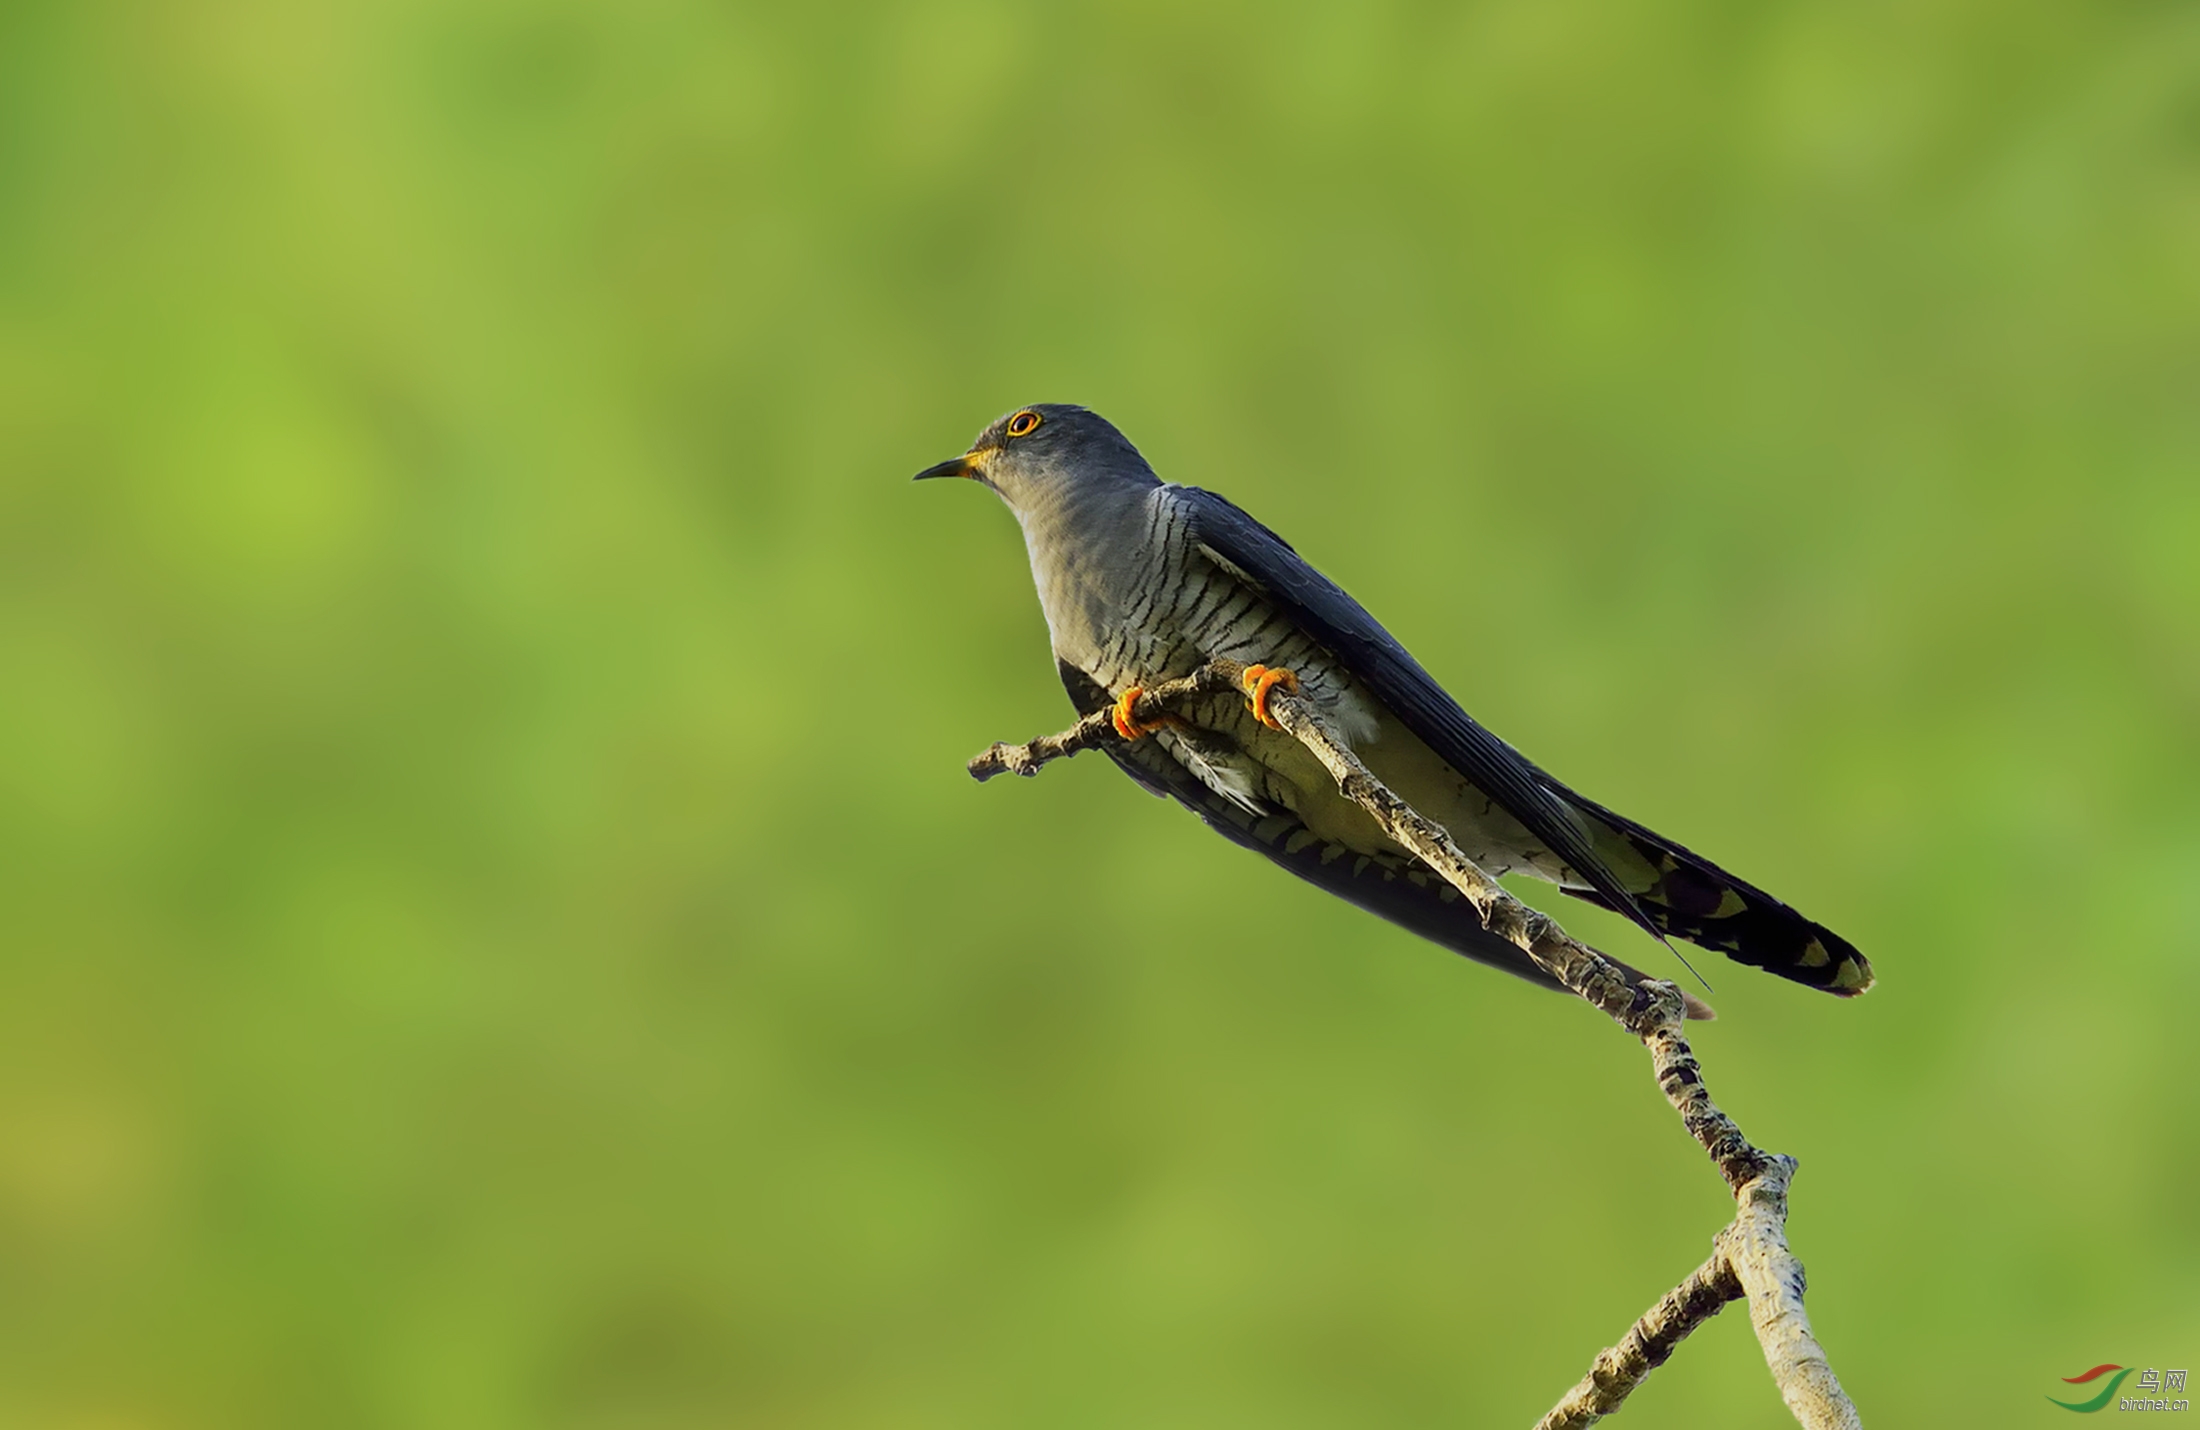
x=1259, y=680
x=1127, y=724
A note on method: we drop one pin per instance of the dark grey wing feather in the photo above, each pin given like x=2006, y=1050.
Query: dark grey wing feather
x=1345, y=629
x=1396, y=888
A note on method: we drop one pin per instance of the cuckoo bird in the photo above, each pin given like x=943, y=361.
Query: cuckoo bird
x=1144, y=581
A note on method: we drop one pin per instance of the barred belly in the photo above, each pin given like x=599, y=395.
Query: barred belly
x=1204, y=612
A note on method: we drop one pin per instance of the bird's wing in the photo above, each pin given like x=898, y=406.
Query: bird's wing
x=1389, y=886
x=1313, y=602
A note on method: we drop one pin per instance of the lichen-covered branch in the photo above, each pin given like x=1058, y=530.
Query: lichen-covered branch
x=1647, y=1345
x=1755, y=1244
x=1750, y=1257
x=1098, y=728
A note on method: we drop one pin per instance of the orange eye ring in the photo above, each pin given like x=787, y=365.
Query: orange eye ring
x=1023, y=424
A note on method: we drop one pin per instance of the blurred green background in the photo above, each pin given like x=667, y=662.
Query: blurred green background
x=497, y=932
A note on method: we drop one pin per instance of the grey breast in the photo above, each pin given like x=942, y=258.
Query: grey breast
x=1181, y=605
x=1159, y=604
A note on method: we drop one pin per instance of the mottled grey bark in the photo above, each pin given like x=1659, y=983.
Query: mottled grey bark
x=1750, y=1257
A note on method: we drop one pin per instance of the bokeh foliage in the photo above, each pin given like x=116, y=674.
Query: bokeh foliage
x=496, y=930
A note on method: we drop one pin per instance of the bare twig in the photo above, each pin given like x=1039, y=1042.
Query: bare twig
x=1647, y=1344
x=1750, y=1257
x=1756, y=1247
x=1098, y=728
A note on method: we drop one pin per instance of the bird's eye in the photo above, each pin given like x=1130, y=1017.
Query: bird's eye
x=1023, y=424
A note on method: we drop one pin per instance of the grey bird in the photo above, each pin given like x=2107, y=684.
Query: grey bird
x=1144, y=581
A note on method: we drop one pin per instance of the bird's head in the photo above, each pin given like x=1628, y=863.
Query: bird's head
x=1046, y=452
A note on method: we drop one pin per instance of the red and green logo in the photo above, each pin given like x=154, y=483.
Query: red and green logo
x=2098, y=1402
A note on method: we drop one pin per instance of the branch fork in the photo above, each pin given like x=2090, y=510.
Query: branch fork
x=1750, y=1257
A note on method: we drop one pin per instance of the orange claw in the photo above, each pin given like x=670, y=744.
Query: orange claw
x=1127, y=725
x=1259, y=680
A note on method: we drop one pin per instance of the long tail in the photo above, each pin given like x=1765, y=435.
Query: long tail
x=1691, y=898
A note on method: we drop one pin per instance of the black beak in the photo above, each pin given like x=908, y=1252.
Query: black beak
x=953, y=467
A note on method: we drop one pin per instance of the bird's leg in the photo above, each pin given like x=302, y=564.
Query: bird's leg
x=1259, y=680
x=1126, y=723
